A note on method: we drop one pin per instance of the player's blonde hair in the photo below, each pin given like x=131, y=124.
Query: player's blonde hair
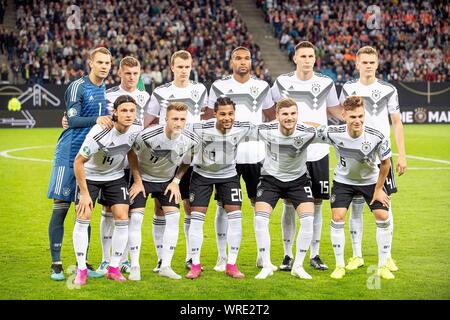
x=367, y=50
x=103, y=50
x=183, y=54
x=285, y=103
x=129, y=61
x=353, y=102
x=178, y=106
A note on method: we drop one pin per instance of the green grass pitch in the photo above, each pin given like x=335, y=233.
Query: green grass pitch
x=421, y=237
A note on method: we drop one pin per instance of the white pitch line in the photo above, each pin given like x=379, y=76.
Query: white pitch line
x=426, y=159
x=5, y=153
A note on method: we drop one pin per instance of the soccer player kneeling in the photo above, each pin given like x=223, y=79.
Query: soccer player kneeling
x=284, y=175
x=358, y=148
x=99, y=166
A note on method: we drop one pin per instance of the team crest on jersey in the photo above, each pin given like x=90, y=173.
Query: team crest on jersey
x=254, y=91
x=376, y=94
x=195, y=95
x=298, y=142
x=365, y=147
x=132, y=138
x=66, y=191
x=315, y=88
x=140, y=99
x=72, y=112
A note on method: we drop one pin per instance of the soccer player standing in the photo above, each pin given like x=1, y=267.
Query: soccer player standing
x=381, y=103
x=316, y=96
x=359, y=149
x=85, y=106
x=99, y=166
x=254, y=104
x=195, y=96
x=284, y=175
x=160, y=150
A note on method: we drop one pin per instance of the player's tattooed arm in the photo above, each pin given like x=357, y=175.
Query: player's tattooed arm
x=85, y=204
x=137, y=186
x=207, y=113
x=379, y=194
x=174, y=187
x=269, y=114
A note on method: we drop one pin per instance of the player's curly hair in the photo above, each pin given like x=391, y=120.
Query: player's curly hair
x=224, y=101
x=353, y=102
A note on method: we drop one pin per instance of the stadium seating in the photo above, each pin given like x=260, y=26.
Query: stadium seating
x=413, y=41
x=46, y=51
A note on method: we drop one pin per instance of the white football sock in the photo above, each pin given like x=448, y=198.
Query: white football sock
x=119, y=241
x=221, y=226
x=391, y=228
x=106, y=231
x=80, y=241
x=187, y=225
x=261, y=225
x=135, y=236
x=383, y=241
x=304, y=237
x=159, y=224
x=170, y=238
x=356, y=225
x=196, y=235
x=317, y=231
x=338, y=241
x=288, y=228
x=234, y=235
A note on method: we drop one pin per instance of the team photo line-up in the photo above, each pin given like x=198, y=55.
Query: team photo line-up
x=179, y=144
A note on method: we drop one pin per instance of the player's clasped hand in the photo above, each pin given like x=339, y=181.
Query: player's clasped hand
x=64, y=122
x=382, y=197
x=135, y=189
x=105, y=122
x=174, y=190
x=85, y=206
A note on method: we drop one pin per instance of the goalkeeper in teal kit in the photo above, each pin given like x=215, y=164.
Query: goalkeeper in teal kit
x=85, y=106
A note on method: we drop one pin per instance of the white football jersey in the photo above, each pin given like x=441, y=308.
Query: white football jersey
x=160, y=156
x=313, y=97
x=195, y=96
x=141, y=97
x=216, y=158
x=250, y=98
x=380, y=100
x=107, y=150
x=285, y=155
x=357, y=159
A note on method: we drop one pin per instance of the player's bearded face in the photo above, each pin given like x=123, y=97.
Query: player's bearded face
x=367, y=65
x=225, y=117
x=176, y=121
x=100, y=65
x=241, y=62
x=288, y=117
x=354, y=119
x=125, y=114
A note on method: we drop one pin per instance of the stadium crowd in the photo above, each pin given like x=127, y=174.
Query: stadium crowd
x=413, y=41
x=45, y=50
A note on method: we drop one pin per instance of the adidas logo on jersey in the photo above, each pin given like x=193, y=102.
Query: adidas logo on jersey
x=230, y=91
x=91, y=98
